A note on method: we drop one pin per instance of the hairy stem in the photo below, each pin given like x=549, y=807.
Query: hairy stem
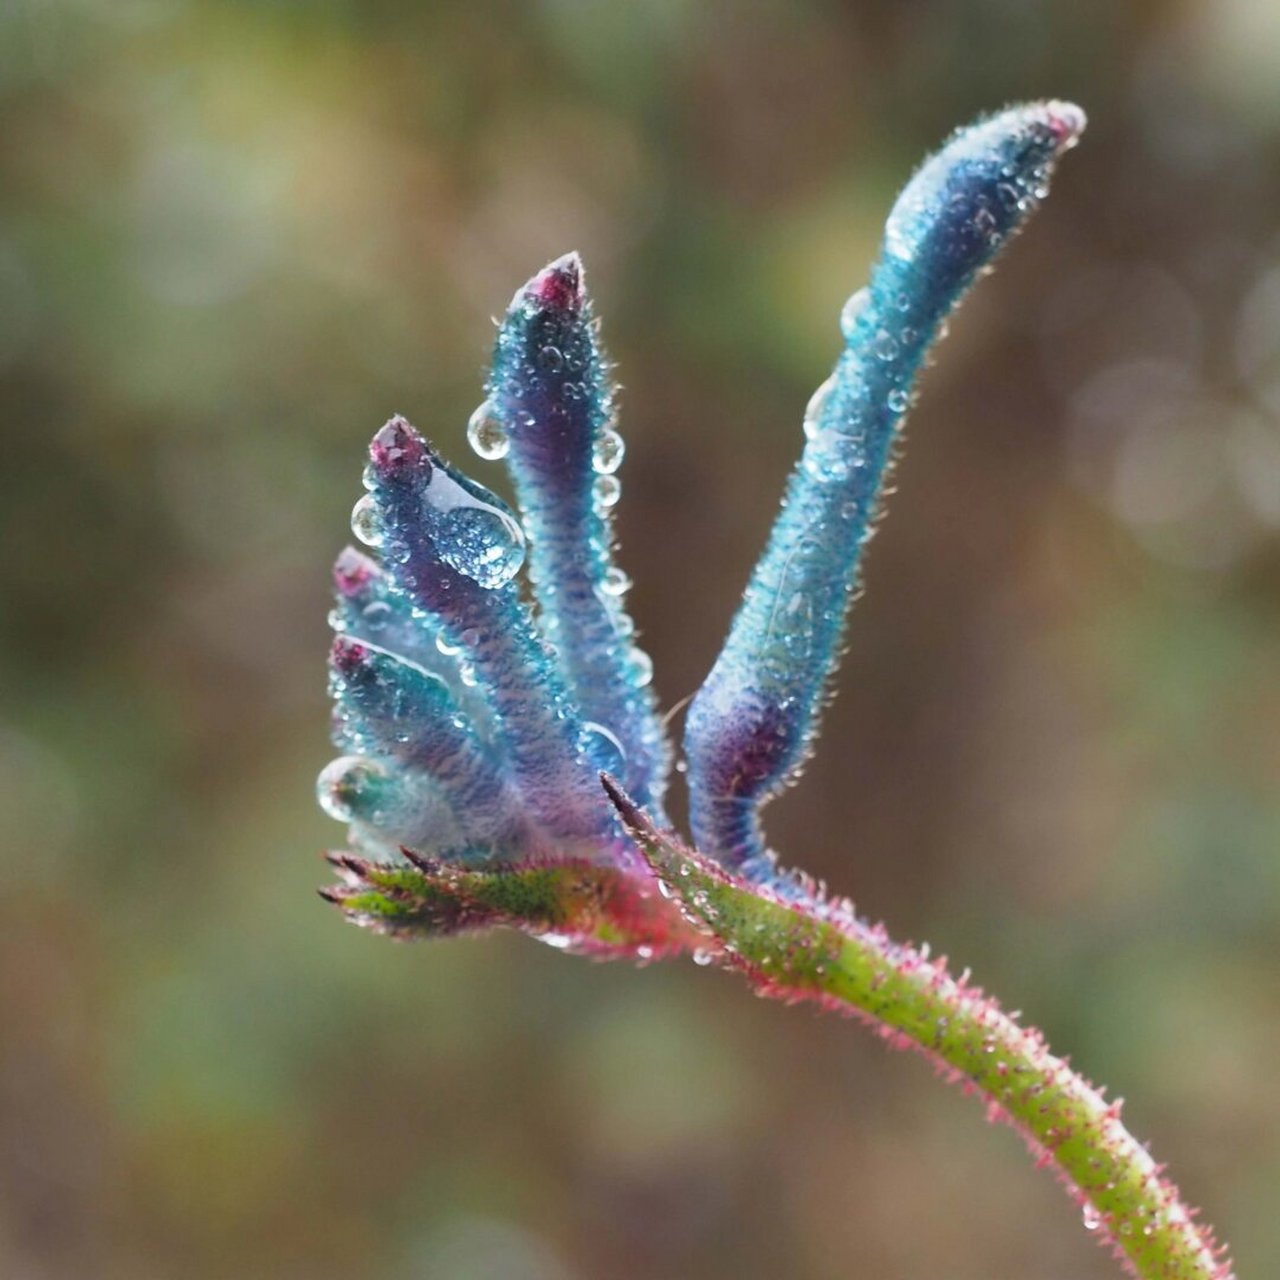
x=805, y=948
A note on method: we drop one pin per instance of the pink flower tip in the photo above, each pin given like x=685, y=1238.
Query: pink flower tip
x=352, y=572
x=558, y=285
x=397, y=445
x=1067, y=121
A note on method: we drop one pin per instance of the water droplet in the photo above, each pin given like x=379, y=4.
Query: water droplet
x=885, y=345
x=701, y=957
x=817, y=403
x=616, y=581
x=551, y=359
x=606, y=453
x=345, y=783
x=825, y=460
x=487, y=434
x=1009, y=196
x=467, y=674
x=605, y=493
x=641, y=668
x=365, y=523
x=602, y=747
x=375, y=616
x=369, y=476
x=898, y=400
x=853, y=312
x=446, y=648
x=473, y=530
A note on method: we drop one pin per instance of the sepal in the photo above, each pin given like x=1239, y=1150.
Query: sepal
x=605, y=912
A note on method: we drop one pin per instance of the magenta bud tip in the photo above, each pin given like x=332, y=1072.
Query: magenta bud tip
x=352, y=572
x=347, y=655
x=559, y=284
x=397, y=445
x=1066, y=120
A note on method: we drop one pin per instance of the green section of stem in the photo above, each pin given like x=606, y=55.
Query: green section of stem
x=821, y=952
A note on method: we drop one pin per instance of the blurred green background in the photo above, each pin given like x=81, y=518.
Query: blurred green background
x=234, y=237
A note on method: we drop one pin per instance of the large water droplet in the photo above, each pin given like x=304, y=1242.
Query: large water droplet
x=853, y=312
x=605, y=493
x=365, y=523
x=551, y=359
x=1090, y=1216
x=606, y=453
x=344, y=785
x=473, y=531
x=486, y=433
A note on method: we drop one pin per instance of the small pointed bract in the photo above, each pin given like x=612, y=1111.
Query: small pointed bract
x=550, y=413
x=751, y=724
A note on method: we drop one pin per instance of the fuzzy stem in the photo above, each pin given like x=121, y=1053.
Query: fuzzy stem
x=820, y=951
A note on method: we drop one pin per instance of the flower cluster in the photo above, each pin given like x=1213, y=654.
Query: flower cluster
x=476, y=727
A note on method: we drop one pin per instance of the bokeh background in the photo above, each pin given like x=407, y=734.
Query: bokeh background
x=235, y=236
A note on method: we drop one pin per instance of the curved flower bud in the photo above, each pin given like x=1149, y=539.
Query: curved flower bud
x=550, y=414
x=454, y=549
x=400, y=711
x=750, y=727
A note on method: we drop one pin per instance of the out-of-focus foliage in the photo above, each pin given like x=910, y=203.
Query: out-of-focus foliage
x=235, y=236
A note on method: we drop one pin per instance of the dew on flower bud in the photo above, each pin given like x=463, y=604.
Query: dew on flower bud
x=365, y=523
x=447, y=648
x=551, y=359
x=486, y=434
x=344, y=786
x=853, y=311
x=813, y=410
x=885, y=345
x=605, y=493
x=602, y=748
x=376, y=615
x=607, y=451
x=898, y=400
x=473, y=531
x=616, y=581
x=641, y=667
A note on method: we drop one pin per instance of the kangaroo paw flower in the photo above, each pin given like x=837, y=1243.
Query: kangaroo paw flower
x=478, y=728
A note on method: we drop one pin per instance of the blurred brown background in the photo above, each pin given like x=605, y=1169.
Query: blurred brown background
x=235, y=236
